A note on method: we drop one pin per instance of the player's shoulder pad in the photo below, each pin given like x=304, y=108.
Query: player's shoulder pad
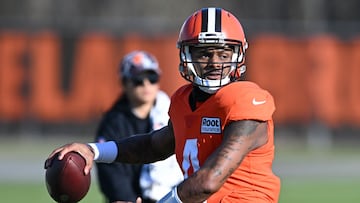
x=181, y=92
x=247, y=100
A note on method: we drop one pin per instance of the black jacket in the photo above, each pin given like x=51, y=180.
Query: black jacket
x=120, y=181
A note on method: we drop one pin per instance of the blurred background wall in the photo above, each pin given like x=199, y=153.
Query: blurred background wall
x=58, y=60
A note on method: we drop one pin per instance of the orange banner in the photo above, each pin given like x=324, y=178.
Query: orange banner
x=312, y=78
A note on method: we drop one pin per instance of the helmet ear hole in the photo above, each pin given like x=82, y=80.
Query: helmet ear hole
x=238, y=72
x=183, y=68
x=184, y=71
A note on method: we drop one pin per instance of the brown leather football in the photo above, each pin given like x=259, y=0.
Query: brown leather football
x=65, y=179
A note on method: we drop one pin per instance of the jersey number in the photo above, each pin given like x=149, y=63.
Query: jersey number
x=190, y=155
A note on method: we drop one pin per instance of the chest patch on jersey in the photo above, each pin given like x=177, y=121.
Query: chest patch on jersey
x=210, y=125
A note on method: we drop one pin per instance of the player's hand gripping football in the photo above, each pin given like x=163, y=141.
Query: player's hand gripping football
x=81, y=148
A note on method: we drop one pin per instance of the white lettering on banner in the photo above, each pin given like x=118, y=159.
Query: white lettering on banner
x=210, y=125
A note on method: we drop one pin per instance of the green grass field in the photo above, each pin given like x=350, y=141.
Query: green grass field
x=37, y=193
x=316, y=191
x=293, y=191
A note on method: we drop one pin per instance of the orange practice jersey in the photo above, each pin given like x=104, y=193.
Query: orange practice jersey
x=198, y=133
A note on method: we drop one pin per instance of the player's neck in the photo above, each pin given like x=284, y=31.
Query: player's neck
x=197, y=96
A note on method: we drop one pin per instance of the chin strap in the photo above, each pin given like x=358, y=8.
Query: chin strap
x=209, y=90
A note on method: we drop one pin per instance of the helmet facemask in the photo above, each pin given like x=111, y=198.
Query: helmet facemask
x=203, y=74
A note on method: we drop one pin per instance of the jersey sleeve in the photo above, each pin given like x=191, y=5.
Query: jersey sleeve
x=252, y=103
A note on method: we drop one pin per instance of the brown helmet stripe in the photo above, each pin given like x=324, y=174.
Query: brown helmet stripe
x=218, y=20
x=204, y=20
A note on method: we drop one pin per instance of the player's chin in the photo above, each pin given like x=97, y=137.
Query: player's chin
x=213, y=77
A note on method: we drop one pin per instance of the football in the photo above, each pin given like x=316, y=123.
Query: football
x=65, y=179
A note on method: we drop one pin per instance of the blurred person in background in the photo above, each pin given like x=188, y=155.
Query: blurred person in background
x=141, y=108
x=220, y=127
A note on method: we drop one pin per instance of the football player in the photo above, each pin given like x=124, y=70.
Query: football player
x=220, y=127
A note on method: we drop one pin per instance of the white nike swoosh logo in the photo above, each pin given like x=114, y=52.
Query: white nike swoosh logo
x=258, y=102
